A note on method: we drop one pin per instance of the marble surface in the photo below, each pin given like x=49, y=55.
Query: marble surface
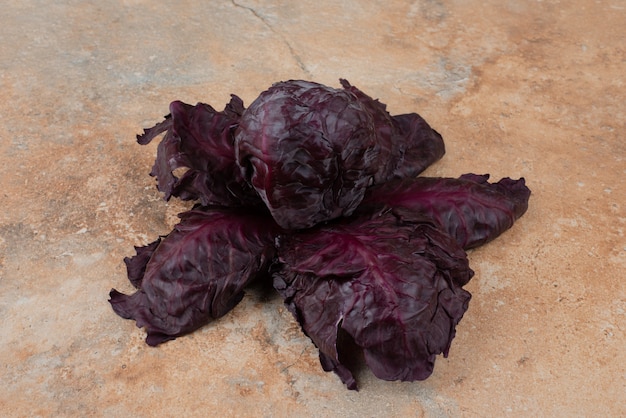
x=517, y=88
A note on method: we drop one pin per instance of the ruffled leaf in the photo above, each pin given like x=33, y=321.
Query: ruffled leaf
x=197, y=273
x=200, y=141
x=394, y=288
x=469, y=208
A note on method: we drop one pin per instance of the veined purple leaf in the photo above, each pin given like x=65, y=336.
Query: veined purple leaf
x=197, y=273
x=394, y=288
x=200, y=140
x=469, y=208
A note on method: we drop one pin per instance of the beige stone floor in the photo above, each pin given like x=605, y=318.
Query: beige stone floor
x=517, y=88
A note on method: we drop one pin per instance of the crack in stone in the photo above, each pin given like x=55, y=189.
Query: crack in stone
x=265, y=22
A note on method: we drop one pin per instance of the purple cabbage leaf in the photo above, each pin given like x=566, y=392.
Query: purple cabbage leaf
x=469, y=208
x=197, y=273
x=200, y=140
x=394, y=288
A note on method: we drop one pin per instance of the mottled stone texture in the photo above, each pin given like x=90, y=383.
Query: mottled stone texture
x=517, y=88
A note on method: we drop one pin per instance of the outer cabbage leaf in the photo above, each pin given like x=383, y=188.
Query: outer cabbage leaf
x=469, y=208
x=201, y=140
x=395, y=289
x=196, y=273
x=310, y=151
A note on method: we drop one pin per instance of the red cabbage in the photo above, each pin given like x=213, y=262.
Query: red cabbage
x=316, y=187
x=310, y=151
